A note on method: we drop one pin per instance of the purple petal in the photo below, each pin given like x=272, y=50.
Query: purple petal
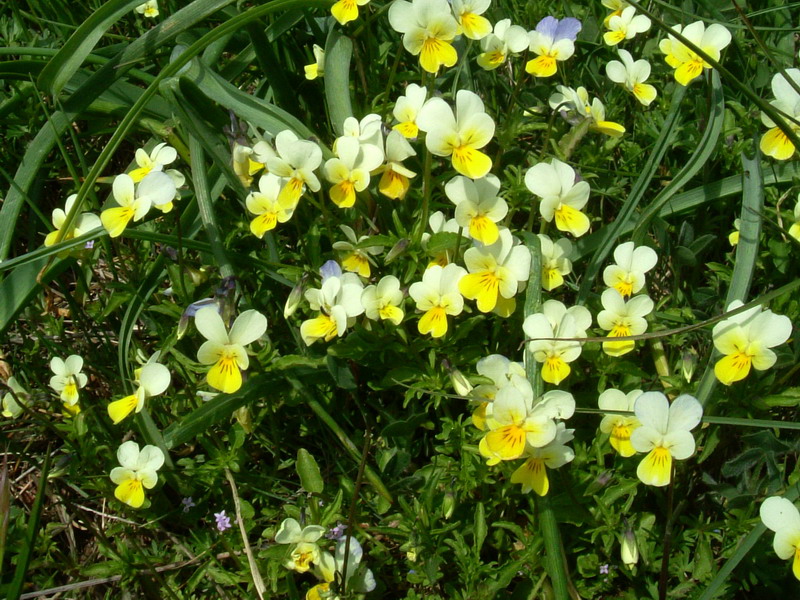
x=548, y=27
x=330, y=269
x=567, y=29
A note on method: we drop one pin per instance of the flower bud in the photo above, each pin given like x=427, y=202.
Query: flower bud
x=396, y=250
x=448, y=505
x=629, y=550
x=293, y=301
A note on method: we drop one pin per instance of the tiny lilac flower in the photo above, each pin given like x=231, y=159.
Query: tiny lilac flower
x=223, y=522
x=604, y=569
x=336, y=532
x=187, y=503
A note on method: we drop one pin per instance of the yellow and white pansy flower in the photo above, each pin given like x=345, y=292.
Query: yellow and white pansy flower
x=345, y=11
x=461, y=135
x=552, y=41
x=148, y=9
x=160, y=155
x=151, y=379
x=382, y=302
x=428, y=28
x=354, y=259
x=295, y=160
x=575, y=105
x=226, y=350
x=745, y=339
x=438, y=223
x=561, y=195
x=502, y=372
x=625, y=26
x=67, y=378
x=11, y=407
x=136, y=473
x=468, y=15
x=632, y=75
x=615, y=6
x=478, y=207
x=156, y=189
x=331, y=568
x=84, y=223
x=265, y=204
x=249, y=160
x=781, y=516
x=496, y=273
x=506, y=40
x=317, y=68
x=349, y=171
x=437, y=296
x=515, y=422
x=555, y=261
x=665, y=434
x=394, y=182
x=368, y=131
x=775, y=143
x=532, y=474
x=556, y=321
x=619, y=427
x=407, y=107
x=622, y=319
x=627, y=275
x=305, y=549
x=687, y=63
x=338, y=301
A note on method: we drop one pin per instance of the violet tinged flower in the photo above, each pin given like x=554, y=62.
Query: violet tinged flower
x=551, y=41
x=223, y=521
x=188, y=504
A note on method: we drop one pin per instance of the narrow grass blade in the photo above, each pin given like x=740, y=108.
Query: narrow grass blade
x=554, y=550
x=699, y=158
x=25, y=554
x=533, y=303
x=640, y=187
x=338, y=53
x=63, y=65
x=5, y=509
x=21, y=285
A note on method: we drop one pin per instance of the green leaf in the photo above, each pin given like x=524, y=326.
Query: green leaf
x=308, y=471
x=479, y=527
x=338, y=52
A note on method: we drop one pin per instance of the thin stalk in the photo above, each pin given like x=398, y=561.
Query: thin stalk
x=662, y=579
x=351, y=516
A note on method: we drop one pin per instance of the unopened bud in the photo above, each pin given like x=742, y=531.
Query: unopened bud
x=629, y=550
x=396, y=250
x=688, y=363
x=293, y=301
x=460, y=383
x=448, y=505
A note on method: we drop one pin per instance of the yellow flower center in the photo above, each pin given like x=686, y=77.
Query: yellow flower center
x=225, y=374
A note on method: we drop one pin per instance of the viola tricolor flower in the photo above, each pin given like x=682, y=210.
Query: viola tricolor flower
x=632, y=75
x=428, y=28
x=619, y=427
x=137, y=472
x=687, y=63
x=781, y=516
x=552, y=41
x=556, y=321
x=775, y=143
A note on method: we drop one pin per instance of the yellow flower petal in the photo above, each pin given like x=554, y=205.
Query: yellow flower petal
x=483, y=286
x=542, y=66
x=115, y=220
x=479, y=416
x=656, y=468
x=551, y=279
x=345, y=11
x=355, y=262
x=571, y=219
x=621, y=439
x=343, y=194
x=555, y=370
x=408, y=129
x=532, y=475
x=138, y=174
x=131, y=492
x=471, y=162
x=434, y=321
x=688, y=71
x=621, y=347
x=506, y=443
x=291, y=192
x=391, y=313
x=393, y=185
x=435, y=53
x=776, y=144
x=483, y=229
x=225, y=375
x=321, y=327
x=120, y=409
x=263, y=223
x=733, y=367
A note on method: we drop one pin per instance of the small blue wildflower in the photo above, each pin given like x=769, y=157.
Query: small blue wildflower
x=223, y=521
x=188, y=503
